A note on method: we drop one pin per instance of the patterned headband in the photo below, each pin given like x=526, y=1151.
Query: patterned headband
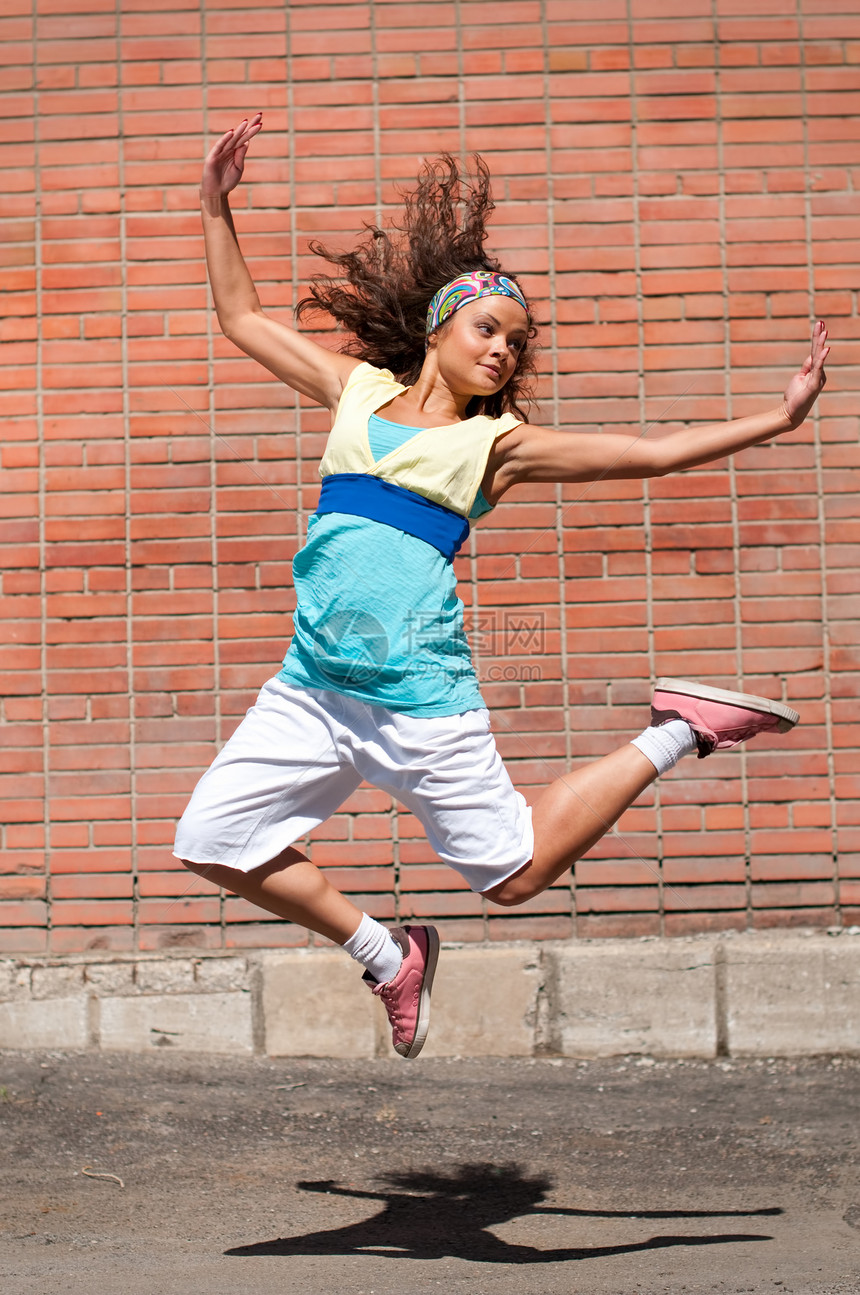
x=469, y=287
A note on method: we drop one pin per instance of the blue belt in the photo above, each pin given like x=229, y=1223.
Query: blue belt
x=362, y=495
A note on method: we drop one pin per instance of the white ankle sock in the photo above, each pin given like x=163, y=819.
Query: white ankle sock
x=665, y=744
x=374, y=948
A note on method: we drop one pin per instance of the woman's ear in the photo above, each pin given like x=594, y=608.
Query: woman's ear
x=430, y=344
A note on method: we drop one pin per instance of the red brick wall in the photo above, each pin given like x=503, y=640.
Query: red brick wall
x=677, y=187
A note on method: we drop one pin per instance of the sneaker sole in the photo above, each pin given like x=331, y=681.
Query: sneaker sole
x=786, y=716
x=424, y=1002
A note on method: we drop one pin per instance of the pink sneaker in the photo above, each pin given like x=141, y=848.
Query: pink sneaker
x=407, y=996
x=718, y=718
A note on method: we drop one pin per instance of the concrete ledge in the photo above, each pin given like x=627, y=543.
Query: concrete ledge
x=315, y=1005
x=793, y=996
x=786, y=993
x=54, y=1023
x=657, y=997
x=191, y=1022
x=201, y=1004
x=486, y=1002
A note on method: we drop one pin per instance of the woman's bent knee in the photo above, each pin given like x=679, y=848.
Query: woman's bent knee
x=513, y=890
x=216, y=873
x=199, y=868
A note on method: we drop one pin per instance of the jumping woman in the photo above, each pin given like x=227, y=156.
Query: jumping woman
x=428, y=433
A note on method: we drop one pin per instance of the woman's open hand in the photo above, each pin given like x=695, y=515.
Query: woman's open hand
x=225, y=161
x=805, y=387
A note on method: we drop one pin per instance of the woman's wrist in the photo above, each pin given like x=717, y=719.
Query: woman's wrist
x=214, y=204
x=763, y=427
x=792, y=421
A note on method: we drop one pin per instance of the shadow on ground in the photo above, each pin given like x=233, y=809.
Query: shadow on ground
x=429, y=1215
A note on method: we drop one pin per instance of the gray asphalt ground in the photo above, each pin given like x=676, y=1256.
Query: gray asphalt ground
x=374, y=1178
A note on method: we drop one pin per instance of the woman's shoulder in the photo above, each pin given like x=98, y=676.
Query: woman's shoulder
x=365, y=374
x=367, y=385
x=504, y=423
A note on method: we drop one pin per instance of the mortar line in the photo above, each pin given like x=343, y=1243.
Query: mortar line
x=42, y=474
x=555, y=406
x=305, y=843
x=294, y=271
x=212, y=414
x=728, y=396
x=819, y=483
x=475, y=635
x=377, y=129
x=394, y=808
x=647, y=526
x=127, y=464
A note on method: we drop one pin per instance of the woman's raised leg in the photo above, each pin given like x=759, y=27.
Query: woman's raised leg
x=575, y=811
x=571, y=815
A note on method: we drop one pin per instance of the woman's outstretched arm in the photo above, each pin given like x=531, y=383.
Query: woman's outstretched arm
x=531, y=453
x=299, y=362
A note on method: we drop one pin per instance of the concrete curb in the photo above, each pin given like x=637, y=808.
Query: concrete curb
x=781, y=993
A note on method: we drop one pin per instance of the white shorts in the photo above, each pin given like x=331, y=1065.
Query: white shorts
x=299, y=753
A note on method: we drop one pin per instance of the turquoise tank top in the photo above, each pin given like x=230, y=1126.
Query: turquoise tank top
x=377, y=615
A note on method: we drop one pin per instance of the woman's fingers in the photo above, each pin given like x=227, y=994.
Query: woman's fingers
x=248, y=128
x=224, y=165
x=238, y=135
x=819, y=340
x=820, y=349
x=807, y=384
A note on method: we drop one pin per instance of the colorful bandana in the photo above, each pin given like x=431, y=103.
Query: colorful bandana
x=469, y=287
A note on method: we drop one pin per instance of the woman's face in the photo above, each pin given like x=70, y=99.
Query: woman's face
x=478, y=347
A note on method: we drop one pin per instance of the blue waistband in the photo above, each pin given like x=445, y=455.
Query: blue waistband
x=362, y=495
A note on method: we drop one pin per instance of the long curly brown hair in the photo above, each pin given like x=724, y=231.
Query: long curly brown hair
x=385, y=284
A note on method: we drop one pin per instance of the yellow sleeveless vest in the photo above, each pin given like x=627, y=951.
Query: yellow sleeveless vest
x=444, y=464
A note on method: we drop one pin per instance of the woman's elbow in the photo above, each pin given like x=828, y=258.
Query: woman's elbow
x=658, y=463
x=237, y=326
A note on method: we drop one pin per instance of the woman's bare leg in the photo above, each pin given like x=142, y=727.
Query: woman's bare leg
x=571, y=815
x=290, y=887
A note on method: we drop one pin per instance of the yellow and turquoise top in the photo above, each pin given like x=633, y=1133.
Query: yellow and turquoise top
x=377, y=613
